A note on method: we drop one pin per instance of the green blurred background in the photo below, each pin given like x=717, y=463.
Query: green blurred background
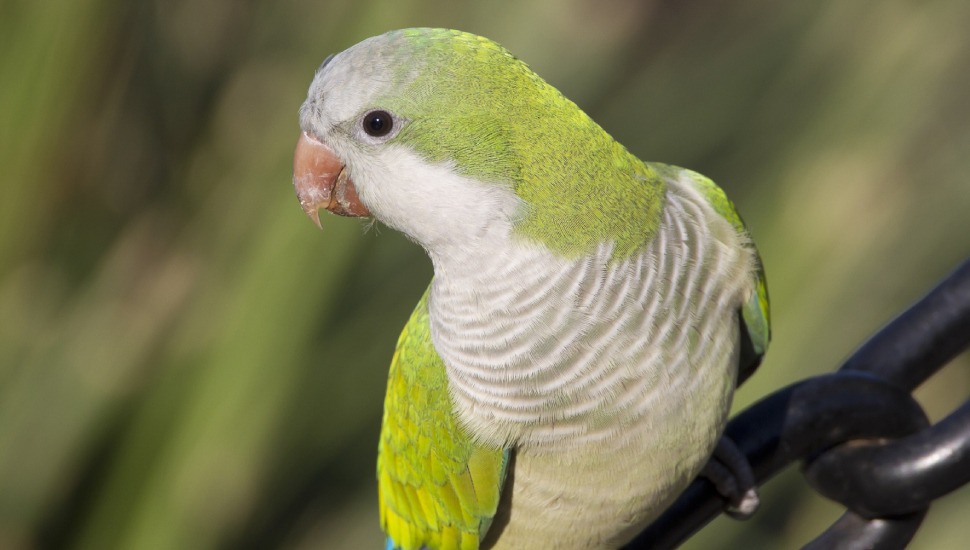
x=186, y=362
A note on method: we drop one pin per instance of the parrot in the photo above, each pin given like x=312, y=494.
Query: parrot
x=571, y=365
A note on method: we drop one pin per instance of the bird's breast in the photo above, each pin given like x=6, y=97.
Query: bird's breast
x=550, y=351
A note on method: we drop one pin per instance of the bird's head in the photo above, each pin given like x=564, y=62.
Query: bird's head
x=447, y=137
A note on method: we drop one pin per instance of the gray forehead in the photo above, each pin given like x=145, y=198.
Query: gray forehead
x=353, y=80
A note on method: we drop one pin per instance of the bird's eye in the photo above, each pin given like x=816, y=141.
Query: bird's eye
x=378, y=123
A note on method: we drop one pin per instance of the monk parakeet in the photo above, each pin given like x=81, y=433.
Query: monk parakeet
x=570, y=368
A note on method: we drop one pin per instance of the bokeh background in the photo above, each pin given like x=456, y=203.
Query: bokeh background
x=187, y=362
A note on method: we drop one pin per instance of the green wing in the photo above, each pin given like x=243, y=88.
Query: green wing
x=756, y=326
x=438, y=488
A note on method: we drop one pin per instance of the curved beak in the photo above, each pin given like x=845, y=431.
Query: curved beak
x=321, y=181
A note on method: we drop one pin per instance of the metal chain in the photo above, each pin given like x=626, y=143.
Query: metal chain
x=862, y=438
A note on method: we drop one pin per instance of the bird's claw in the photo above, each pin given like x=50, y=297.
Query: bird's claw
x=729, y=471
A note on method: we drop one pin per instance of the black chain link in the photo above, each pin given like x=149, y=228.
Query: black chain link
x=863, y=440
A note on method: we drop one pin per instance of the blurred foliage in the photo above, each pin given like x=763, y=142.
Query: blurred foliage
x=186, y=362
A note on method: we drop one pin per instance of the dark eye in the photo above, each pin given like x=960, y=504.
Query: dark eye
x=378, y=123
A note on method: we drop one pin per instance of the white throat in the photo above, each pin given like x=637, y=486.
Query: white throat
x=437, y=207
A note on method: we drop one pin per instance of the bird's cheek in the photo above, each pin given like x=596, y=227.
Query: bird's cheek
x=321, y=181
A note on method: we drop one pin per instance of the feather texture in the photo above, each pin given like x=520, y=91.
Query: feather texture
x=438, y=488
x=599, y=372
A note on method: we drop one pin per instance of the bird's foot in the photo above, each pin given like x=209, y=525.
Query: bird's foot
x=729, y=471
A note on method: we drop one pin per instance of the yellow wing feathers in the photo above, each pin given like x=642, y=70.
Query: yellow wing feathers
x=437, y=487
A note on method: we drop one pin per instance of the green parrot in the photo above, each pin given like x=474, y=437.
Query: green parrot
x=571, y=366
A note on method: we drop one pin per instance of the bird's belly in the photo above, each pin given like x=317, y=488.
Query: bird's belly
x=600, y=495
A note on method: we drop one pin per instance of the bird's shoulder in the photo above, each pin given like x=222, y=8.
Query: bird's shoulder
x=438, y=488
x=755, y=312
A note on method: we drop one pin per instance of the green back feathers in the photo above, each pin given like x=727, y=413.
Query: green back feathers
x=437, y=487
x=471, y=103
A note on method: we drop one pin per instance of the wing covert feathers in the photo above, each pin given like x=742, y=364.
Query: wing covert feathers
x=437, y=488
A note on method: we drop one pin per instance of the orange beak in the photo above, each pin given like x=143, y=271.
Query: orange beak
x=322, y=182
